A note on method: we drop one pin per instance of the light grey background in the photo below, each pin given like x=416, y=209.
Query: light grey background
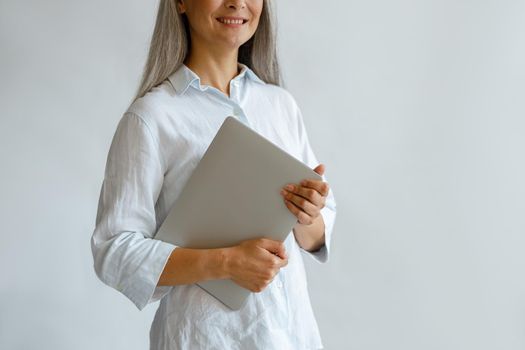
x=416, y=107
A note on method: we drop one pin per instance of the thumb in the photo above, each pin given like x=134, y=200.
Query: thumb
x=320, y=169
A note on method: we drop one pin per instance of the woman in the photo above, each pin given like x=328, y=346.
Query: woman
x=204, y=65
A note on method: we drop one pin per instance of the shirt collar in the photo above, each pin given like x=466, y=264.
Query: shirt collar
x=183, y=77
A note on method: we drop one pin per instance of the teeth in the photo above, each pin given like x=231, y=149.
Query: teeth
x=231, y=21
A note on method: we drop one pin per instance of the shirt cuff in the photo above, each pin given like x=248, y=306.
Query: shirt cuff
x=141, y=287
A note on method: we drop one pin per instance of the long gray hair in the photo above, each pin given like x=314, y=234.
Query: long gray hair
x=171, y=42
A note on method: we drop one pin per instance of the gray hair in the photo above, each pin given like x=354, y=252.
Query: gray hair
x=171, y=43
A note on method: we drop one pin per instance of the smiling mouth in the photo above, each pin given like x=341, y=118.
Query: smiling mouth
x=234, y=22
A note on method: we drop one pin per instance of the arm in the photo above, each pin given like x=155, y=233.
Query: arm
x=187, y=266
x=252, y=264
x=125, y=256
x=310, y=237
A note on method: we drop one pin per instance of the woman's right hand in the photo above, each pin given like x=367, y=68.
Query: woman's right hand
x=254, y=263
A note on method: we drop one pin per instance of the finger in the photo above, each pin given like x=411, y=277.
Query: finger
x=302, y=217
x=273, y=246
x=320, y=169
x=320, y=186
x=308, y=193
x=279, y=264
x=303, y=204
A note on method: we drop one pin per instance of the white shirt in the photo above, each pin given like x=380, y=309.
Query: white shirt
x=157, y=144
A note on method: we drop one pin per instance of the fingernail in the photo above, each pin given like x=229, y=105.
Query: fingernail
x=289, y=187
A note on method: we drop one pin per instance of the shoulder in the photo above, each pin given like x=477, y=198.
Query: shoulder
x=153, y=102
x=151, y=107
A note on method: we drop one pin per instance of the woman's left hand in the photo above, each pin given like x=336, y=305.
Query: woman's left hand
x=305, y=200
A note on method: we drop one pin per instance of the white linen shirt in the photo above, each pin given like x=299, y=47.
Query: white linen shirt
x=157, y=144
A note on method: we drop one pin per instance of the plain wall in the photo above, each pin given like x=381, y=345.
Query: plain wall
x=416, y=107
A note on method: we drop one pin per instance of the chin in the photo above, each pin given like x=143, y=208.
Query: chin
x=234, y=44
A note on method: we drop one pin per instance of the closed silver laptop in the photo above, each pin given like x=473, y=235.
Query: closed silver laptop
x=233, y=195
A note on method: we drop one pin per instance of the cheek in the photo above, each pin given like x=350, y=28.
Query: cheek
x=256, y=9
x=201, y=25
x=253, y=24
x=201, y=12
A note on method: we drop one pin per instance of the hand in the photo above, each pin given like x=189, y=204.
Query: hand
x=254, y=263
x=305, y=200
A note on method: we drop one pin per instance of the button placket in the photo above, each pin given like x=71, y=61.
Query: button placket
x=239, y=113
x=232, y=101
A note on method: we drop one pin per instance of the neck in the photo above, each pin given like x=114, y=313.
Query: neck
x=215, y=67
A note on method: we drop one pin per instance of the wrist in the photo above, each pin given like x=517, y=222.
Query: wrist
x=222, y=262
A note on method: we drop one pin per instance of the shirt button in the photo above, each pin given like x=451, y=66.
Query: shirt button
x=279, y=284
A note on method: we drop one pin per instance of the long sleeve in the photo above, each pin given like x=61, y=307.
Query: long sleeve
x=125, y=256
x=329, y=211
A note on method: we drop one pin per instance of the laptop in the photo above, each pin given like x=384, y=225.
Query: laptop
x=233, y=195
